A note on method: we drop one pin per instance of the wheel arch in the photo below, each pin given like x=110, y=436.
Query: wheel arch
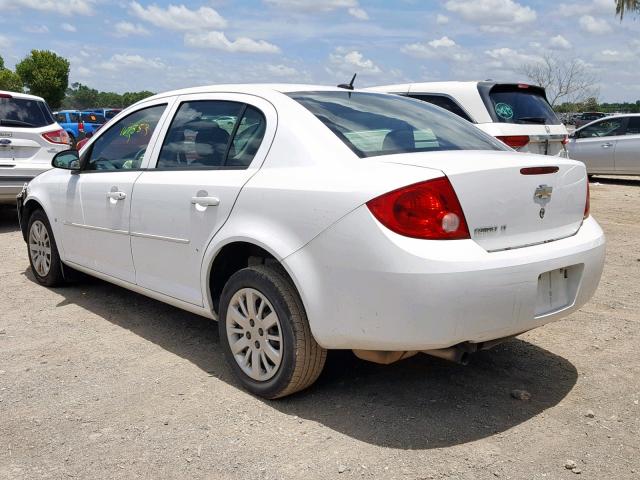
x=28, y=208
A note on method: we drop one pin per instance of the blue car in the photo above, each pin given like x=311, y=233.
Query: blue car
x=78, y=124
x=107, y=113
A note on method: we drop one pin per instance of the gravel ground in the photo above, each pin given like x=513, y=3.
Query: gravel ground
x=98, y=382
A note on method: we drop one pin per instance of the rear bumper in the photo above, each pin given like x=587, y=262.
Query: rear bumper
x=12, y=180
x=365, y=287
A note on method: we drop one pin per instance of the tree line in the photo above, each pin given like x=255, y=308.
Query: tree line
x=46, y=74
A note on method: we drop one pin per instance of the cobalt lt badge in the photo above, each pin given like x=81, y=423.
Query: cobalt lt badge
x=542, y=196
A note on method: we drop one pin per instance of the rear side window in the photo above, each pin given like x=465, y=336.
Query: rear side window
x=443, y=102
x=373, y=124
x=23, y=112
x=514, y=104
x=61, y=118
x=92, y=118
x=212, y=134
x=633, y=127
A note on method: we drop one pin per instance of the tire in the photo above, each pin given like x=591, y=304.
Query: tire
x=43, y=251
x=301, y=359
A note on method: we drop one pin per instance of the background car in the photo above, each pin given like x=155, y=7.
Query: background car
x=107, y=113
x=609, y=146
x=324, y=219
x=77, y=124
x=29, y=138
x=517, y=114
x=581, y=119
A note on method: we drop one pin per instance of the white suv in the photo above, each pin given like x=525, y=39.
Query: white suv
x=29, y=138
x=516, y=113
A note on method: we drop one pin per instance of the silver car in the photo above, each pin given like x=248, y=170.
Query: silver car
x=609, y=146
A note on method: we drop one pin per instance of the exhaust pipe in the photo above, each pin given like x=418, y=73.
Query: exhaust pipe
x=453, y=354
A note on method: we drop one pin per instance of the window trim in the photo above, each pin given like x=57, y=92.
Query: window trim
x=154, y=138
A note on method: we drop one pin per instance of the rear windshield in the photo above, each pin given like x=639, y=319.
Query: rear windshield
x=92, y=118
x=512, y=104
x=23, y=112
x=373, y=124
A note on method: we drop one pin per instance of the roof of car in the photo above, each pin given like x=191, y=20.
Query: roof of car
x=251, y=88
x=26, y=96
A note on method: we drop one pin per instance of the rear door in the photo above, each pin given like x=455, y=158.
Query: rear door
x=97, y=200
x=627, y=152
x=595, y=144
x=213, y=145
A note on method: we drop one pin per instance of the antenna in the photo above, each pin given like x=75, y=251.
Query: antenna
x=348, y=86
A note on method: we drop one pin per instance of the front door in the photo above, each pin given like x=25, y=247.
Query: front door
x=97, y=200
x=214, y=144
x=595, y=145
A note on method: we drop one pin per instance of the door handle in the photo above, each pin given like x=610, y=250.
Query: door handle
x=205, y=201
x=607, y=145
x=116, y=195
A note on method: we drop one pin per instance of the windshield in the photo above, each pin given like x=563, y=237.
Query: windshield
x=24, y=112
x=373, y=124
x=515, y=104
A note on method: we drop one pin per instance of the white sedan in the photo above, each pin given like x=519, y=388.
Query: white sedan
x=320, y=218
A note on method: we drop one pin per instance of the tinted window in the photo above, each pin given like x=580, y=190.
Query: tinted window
x=92, y=118
x=212, y=134
x=111, y=113
x=443, y=102
x=603, y=128
x=375, y=124
x=124, y=144
x=61, y=118
x=592, y=116
x=511, y=104
x=22, y=112
x=633, y=127
x=74, y=117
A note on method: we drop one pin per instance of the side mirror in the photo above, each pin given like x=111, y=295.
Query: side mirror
x=67, y=160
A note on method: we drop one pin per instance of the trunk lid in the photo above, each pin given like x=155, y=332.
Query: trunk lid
x=22, y=144
x=543, y=139
x=505, y=208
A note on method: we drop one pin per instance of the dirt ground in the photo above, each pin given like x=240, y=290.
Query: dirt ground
x=97, y=382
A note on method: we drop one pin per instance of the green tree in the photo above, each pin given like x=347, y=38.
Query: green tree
x=45, y=74
x=623, y=6
x=8, y=79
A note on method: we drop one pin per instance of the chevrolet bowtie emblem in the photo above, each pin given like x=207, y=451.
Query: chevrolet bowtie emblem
x=543, y=192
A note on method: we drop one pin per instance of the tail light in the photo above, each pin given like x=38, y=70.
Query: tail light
x=57, y=136
x=80, y=127
x=565, y=140
x=515, y=141
x=587, y=205
x=5, y=95
x=427, y=210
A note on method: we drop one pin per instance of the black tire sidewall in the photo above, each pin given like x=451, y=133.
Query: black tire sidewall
x=54, y=276
x=262, y=282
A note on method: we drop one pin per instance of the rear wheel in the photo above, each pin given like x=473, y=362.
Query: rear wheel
x=43, y=252
x=265, y=333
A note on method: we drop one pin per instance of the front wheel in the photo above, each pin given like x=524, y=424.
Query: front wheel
x=43, y=252
x=265, y=333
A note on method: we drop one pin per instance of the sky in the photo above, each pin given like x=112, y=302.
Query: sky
x=137, y=45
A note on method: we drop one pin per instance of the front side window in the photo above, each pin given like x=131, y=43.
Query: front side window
x=212, y=134
x=123, y=145
x=373, y=124
x=92, y=118
x=633, y=127
x=604, y=128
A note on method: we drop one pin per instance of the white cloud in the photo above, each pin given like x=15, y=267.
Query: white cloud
x=62, y=7
x=67, y=27
x=179, y=17
x=509, y=59
x=594, y=25
x=347, y=62
x=560, y=43
x=492, y=12
x=442, y=19
x=124, y=29
x=121, y=62
x=219, y=41
x=323, y=6
x=440, y=48
x=37, y=29
x=281, y=71
x=4, y=42
x=614, y=56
